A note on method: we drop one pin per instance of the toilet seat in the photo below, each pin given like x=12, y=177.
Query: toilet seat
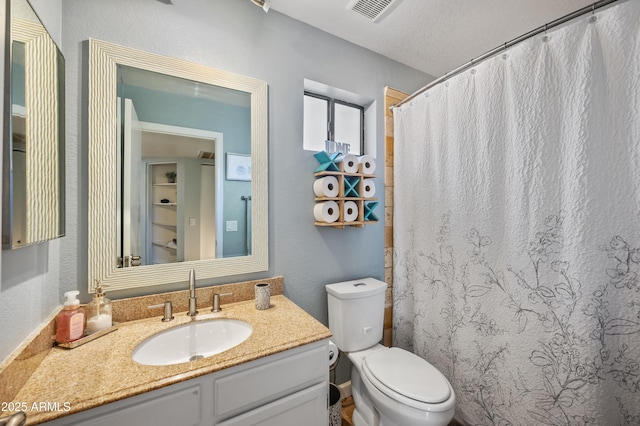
x=407, y=378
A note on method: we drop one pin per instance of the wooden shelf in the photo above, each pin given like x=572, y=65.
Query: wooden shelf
x=325, y=173
x=320, y=199
x=355, y=224
x=348, y=187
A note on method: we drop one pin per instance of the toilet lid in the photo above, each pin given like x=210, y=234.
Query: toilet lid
x=409, y=375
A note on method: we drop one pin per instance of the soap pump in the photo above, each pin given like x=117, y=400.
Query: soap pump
x=70, y=322
x=98, y=311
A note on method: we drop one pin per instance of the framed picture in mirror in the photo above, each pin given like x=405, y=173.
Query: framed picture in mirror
x=238, y=167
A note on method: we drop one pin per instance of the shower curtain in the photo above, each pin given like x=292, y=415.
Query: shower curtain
x=517, y=228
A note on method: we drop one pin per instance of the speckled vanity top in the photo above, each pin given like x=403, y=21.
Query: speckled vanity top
x=102, y=371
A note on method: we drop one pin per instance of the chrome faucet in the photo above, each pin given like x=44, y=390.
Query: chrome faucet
x=192, y=294
x=17, y=419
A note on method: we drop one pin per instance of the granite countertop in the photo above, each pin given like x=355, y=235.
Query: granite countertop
x=102, y=371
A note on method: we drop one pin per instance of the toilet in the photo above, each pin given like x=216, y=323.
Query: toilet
x=390, y=386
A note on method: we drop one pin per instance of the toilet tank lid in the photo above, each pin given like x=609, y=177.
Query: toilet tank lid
x=356, y=288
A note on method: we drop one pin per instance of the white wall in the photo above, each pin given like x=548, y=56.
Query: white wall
x=233, y=35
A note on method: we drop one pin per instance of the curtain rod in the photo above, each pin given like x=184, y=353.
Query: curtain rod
x=592, y=8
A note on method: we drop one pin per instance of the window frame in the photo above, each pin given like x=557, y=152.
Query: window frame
x=331, y=102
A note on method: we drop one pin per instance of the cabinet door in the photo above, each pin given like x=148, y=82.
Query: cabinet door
x=131, y=240
x=253, y=387
x=177, y=408
x=307, y=407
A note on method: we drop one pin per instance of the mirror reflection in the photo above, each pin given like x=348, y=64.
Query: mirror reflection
x=154, y=118
x=176, y=200
x=33, y=195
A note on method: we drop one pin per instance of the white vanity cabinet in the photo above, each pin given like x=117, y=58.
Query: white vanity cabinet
x=306, y=407
x=285, y=389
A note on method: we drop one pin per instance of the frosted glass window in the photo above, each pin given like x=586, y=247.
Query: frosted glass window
x=316, y=117
x=331, y=119
x=347, y=126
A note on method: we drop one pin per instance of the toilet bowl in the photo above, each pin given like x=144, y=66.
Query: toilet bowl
x=390, y=386
x=396, y=387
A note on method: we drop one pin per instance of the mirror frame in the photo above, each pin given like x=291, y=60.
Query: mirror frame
x=45, y=214
x=104, y=58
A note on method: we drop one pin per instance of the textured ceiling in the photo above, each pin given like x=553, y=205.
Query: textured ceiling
x=434, y=36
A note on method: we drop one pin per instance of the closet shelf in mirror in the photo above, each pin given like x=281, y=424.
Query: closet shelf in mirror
x=166, y=225
x=165, y=204
x=164, y=245
x=165, y=184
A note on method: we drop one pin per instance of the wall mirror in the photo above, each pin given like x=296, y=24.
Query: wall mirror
x=163, y=196
x=33, y=149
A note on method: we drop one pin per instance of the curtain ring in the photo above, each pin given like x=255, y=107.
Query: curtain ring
x=593, y=17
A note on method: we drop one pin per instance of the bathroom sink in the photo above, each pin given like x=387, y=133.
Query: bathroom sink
x=191, y=341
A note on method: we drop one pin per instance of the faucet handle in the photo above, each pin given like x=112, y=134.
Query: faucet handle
x=168, y=310
x=17, y=419
x=216, y=301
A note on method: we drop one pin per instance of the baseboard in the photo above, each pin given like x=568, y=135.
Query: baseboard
x=345, y=389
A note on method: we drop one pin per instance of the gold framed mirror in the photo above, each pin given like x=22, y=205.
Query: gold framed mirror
x=112, y=243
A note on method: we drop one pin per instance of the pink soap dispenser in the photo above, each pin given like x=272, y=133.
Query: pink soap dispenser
x=70, y=322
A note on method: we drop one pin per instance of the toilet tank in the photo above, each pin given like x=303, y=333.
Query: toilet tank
x=356, y=313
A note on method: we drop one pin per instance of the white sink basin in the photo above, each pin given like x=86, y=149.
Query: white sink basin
x=191, y=341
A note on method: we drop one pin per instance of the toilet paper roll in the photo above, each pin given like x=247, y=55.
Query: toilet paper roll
x=333, y=353
x=327, y=211
x=350, y=163
x=326, y=187
x=368, y=164
x=368, y=188
x=350, y=211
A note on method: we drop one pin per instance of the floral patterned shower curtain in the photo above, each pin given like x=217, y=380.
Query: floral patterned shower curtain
x=517, y=228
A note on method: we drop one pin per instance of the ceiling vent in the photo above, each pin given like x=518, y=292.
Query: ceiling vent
x=206, y=155
x=373, y=10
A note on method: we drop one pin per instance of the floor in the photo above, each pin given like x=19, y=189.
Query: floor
x=347, y=411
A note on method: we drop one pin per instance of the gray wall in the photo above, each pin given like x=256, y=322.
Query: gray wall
x=29, y=288
x=50, y=14
x=236, y=36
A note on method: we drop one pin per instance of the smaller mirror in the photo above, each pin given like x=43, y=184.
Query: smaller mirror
x=33, y=150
